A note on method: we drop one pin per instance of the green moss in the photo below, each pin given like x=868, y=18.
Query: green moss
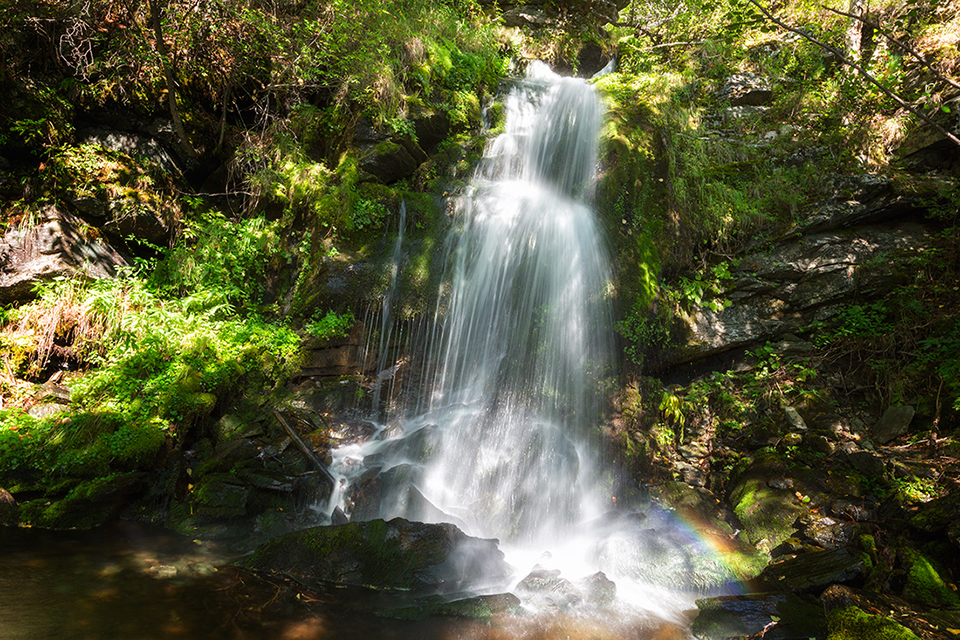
x=924, y=582
x=767, y=513
x=89, y=504
x=854, y=624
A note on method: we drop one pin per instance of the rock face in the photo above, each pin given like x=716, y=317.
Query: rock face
x=58, y=245
x=798, y=282
x=398, y=554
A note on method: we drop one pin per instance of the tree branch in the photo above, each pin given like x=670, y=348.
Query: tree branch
x=920, y=58
x=168, y=74
x=860, y=70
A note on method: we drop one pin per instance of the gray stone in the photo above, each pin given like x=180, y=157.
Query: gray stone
x=867, y=463
x=800, y=281
x=794, y=418
x=57, y=245
x=746, y=89
x=811, y=571
x=893, y=424
x=860, y=511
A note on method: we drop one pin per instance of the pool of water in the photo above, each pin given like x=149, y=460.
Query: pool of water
x=129, y=581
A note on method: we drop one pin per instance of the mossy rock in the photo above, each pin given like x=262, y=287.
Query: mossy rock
x=89, y=504
x=728, y=616
x=767, y=513
x=479, y=608
x=853, y=624
x=924, y=582
x=394, y=555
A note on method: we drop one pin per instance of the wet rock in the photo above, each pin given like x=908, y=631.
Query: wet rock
x=811, y=571
x=56, y=246
x=893, y=424
x=598, y=589
x=398, y=554
x=662, y=555
x=480, y=608
x=766, y=513
x=746, y=89
x=547, y=588
x=778, y=616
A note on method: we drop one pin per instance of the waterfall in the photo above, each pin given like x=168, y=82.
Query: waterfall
x=517, y=362
x=525, y=333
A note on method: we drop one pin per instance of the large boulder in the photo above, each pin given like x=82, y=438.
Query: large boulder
x=57, y=244
x=394, y=555
x=746, y=89
x=773, y=616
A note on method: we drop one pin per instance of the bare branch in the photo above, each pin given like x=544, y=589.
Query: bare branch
x=168, y=74
x=861, y=70
x=899, y=43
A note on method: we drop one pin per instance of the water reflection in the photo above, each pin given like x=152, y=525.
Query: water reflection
x=133, y=582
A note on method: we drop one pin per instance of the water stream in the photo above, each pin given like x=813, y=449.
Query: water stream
x=518, y=357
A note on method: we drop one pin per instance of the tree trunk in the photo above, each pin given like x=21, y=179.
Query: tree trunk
x=168, y=74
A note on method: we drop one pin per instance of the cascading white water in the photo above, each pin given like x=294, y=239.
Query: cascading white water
x=526, y=329
x=520, y=349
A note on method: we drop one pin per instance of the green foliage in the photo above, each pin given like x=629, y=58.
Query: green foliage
x=863, y=321
x=331, y=325
x=770, y=382
x=219, y=265
x=162, y=365
x=705, y=289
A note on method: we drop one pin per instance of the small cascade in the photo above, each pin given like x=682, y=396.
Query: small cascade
x=390, y=332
